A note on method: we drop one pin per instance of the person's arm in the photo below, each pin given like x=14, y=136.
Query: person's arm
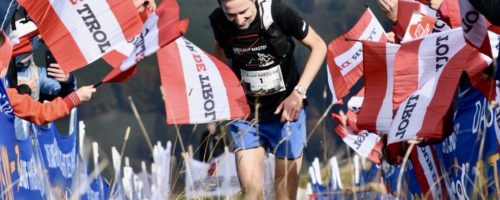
x=40, y=113
x=292, y=105
x=489, y=8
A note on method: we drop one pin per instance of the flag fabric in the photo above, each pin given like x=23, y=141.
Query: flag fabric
x=475, y=27
x=420, y=115
x=366, y=144
x=161, y=28
x=319, y=191
x=160, y=171
x=426, y=165
x=23, y=36
x=406, y=10
x=5, y=53
x=8, y=145
x=217, y=178
x=94, y=191
x=80, y=32
x=59, y=154
x=471, y=148
x=198, y=88
x=345, y=54
x=378, y=62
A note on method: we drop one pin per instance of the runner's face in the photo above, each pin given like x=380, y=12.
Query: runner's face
x=240, y=12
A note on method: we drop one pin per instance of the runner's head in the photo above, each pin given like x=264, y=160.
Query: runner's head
x=241, y=12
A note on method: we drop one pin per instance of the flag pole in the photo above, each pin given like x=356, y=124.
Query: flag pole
x=98, y=84
x=141, y=125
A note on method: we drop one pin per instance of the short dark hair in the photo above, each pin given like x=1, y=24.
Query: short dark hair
x=218, y=1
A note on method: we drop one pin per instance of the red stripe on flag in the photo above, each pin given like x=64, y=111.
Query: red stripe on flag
x=443, y=95
x=450, y=13
x=420, y=173
x=375, y=75
x=240, y=106
x=170, y=66
x=114, y=58
x=405, y=72
x=55, y=34
x=131, y=24
x=168, y=24
x=405, y=11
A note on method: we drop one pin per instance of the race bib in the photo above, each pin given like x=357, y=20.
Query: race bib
x=263, y=82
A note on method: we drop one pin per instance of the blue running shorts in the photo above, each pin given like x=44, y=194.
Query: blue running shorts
x=284, y=140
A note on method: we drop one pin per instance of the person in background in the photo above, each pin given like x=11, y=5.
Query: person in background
x=257, y=36
x=23, y=106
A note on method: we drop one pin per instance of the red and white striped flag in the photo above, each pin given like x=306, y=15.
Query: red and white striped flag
x=22, y=35
x=161, y=28
x=406, y=10
x=198, y=88
x=5, y=52
x=420, y=114
x=79, y=32
x=429, y=175
x=475, y=27
x=345, y=55
x=366, y=144
x=378, y=62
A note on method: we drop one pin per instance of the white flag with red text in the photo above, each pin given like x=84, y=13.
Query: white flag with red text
x=429, y=172
x=198, y=88
x=161, y=28
x=378, y=62
x=345, y=54
x=366, y=144
x=79, y=32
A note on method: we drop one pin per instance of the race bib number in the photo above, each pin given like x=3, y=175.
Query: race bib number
x=263, y=82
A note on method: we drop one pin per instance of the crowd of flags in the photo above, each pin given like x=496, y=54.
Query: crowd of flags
x=427, y=105
x=414, y=120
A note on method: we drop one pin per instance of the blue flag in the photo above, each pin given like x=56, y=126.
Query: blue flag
x=472, y=121
x=59, y=155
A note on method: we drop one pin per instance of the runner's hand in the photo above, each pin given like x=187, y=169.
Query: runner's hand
x=291, y=107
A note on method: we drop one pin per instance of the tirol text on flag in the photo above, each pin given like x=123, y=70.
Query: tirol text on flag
x=345, y=54
x=420, y=114
x=80, y=32
x=198, y=88
x=378, y=62
x=161, y=28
